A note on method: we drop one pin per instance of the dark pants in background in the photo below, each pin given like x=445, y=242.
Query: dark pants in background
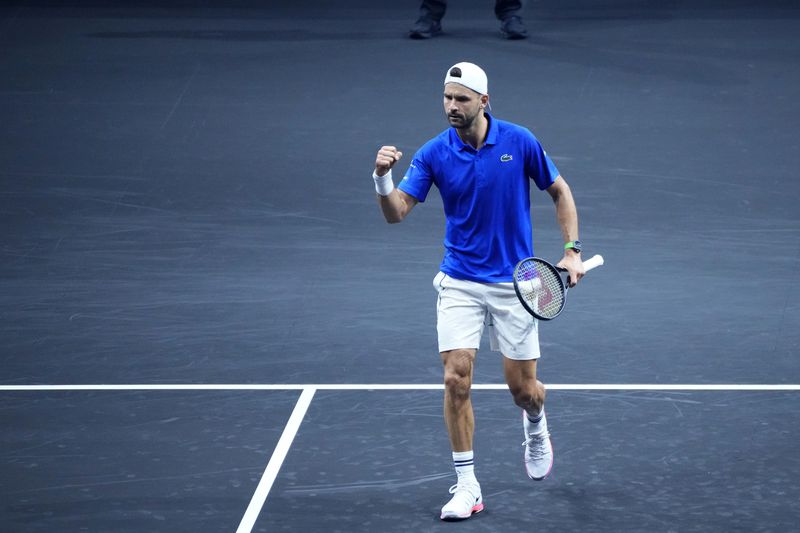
x=435, y=9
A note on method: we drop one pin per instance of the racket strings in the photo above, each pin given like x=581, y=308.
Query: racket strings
x=541, y=287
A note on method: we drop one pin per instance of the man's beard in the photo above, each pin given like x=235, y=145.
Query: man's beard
x=461, y=122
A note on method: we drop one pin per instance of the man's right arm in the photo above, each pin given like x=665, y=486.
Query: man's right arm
x=394, y=203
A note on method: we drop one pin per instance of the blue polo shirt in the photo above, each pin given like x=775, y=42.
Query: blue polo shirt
x=486, y=197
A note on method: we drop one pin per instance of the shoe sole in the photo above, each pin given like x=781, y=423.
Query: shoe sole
x=421, y=36
x=515, y=36
x=455, y=518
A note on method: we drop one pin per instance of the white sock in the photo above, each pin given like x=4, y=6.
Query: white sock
x=537, y=424
x=465, y=466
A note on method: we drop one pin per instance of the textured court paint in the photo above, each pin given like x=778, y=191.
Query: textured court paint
x=163, y=218
x=134, y=461
x=275, y=462
x=625, y=461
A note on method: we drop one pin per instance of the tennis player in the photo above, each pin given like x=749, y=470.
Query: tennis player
x=483, y=168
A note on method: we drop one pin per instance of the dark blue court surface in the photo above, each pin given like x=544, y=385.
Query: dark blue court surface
x=186, y=200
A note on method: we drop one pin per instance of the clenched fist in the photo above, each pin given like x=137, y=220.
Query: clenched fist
x=387, y=157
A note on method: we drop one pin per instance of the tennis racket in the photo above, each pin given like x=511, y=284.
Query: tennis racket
x=540, y=287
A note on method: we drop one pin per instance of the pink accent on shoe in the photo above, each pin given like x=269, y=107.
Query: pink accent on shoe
x=477, y=508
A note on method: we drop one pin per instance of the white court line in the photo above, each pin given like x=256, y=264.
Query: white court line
x=275, y=462
x=398, y=386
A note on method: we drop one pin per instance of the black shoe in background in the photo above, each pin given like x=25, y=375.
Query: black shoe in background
x=514, y=29
x=425, y=28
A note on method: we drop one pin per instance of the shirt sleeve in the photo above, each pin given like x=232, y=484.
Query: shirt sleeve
x=538, y=166
x=419, y=177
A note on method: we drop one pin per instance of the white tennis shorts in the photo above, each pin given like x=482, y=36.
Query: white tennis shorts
x=464, y=308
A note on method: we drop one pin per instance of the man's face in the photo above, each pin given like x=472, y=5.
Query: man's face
x=461, y=105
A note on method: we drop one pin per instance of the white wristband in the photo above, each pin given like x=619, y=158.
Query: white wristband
x=383, y=184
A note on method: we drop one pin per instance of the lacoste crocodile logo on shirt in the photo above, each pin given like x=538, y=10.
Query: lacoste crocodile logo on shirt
x=506, y=158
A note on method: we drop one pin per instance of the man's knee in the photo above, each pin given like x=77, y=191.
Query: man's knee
x=458, y=371
x=529, y=396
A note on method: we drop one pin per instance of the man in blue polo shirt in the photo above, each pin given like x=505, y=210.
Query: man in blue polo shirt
x=483, y=168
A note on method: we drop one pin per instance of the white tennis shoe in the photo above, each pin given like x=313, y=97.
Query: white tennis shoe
x=538, y=451
x=466, y=501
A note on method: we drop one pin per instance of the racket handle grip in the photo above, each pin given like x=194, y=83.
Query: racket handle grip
x=593, y=262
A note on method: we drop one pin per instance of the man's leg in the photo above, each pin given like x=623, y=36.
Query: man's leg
x=507, y=8
x=429, y=22
x=509, y=12
x=433, y=9
x=458, y=415
x=529, y=394
x=460, y=316
x=460, y=421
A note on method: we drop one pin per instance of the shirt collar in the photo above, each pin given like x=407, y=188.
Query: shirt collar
x=491, y=135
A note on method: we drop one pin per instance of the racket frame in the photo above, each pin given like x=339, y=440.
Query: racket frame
x=593, y=262
x=557, y=271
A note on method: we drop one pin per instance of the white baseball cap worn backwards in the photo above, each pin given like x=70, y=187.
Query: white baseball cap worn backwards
x=469, y=75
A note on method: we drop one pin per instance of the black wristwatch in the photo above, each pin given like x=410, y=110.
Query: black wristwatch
x=575, y=245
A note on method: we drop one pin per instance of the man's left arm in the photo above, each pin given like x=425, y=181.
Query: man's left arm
x=567, y=217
